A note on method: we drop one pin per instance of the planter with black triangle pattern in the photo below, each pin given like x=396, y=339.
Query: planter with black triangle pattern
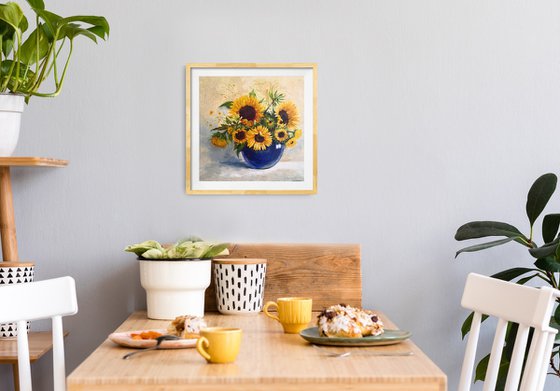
x=14, y=273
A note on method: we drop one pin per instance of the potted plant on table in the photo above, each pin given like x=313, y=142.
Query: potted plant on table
x=545, y=265
x=175, y=277
x=29, y=57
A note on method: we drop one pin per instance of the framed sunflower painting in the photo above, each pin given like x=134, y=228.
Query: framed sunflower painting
x=251, y=128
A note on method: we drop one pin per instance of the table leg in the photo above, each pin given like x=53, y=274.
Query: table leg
x=7, y=219
x=15, y=374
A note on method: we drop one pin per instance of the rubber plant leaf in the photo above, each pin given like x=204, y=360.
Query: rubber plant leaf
x=483, y=246
x=481, y=229
x=550, y=226
x=539, y=195
x=549, y=264
x=557, y=318
x=545, y=250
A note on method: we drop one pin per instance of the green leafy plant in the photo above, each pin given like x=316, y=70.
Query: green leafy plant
x=28, y=58
x=546, y=264
x=189, y=248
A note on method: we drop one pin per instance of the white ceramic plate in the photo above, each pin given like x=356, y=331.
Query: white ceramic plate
x=125, y=339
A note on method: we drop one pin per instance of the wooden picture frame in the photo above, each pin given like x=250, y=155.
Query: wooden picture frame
x=251, y=128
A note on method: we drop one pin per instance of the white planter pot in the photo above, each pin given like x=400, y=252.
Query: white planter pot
x=11, y=107
x=175, y=288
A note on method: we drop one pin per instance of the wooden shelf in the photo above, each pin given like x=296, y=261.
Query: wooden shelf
x=32, y=161
x=40, y=342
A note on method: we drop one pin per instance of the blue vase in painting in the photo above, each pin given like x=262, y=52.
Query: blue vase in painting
x=263, y=159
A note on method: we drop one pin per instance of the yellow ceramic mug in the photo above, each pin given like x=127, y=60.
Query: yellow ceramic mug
x=294, y=313
x=219, y=345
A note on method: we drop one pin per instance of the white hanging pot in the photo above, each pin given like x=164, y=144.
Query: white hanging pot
x=176, y=287
x=11, y=107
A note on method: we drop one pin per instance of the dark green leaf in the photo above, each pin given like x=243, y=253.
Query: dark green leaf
x=550, y=226
x=227, y=104
x=483, y=246
x=545, y=250
x=39, y=4
x=481, y=229
x=539, y=195
x=252, y=94
x=523, y=281
x=557, y=317
x=510, y=274
x=550, y=264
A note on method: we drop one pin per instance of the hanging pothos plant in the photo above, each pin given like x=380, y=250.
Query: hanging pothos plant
x=545, y=265
x=28, y=58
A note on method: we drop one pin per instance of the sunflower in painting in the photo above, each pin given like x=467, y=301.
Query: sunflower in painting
x=239, y=136
x=259, y=138
x=248, y=108
x=257, y=123
x=291, y=143
x=281, y=134
x=287, y=114
x=218, y=142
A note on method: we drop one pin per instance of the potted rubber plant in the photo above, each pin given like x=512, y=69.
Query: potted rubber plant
x=175, y=277
x=29, y=57
x=544, y=266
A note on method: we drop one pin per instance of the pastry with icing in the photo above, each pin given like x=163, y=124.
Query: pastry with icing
x=187, y=326
x=342, y=320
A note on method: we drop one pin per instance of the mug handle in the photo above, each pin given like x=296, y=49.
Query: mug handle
x=201, y=345
x=265, y=309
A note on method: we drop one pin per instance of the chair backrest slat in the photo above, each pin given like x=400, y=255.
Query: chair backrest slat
x=495, y=356
x=514, y=373
x=53, y=299
x=509, y=302
x=470, y=353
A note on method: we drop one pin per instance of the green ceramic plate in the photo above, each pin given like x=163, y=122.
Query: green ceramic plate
x=389, y=337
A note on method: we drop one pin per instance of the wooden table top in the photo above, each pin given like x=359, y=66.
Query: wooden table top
x=268, y=359
x=40, y=342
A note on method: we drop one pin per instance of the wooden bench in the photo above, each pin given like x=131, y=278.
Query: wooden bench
x=328, y=273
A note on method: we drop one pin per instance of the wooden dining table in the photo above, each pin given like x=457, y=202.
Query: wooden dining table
x=268, y=360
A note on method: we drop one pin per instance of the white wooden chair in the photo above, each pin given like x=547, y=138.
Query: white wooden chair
x=39, y=300
x=510, y=302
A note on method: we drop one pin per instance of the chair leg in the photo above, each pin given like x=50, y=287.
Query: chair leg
x=15, y=375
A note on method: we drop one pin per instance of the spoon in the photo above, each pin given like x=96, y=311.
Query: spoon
x=380, y=354
x=159, y=340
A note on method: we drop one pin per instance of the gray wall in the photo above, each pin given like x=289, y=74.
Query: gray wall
x=431, y=114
